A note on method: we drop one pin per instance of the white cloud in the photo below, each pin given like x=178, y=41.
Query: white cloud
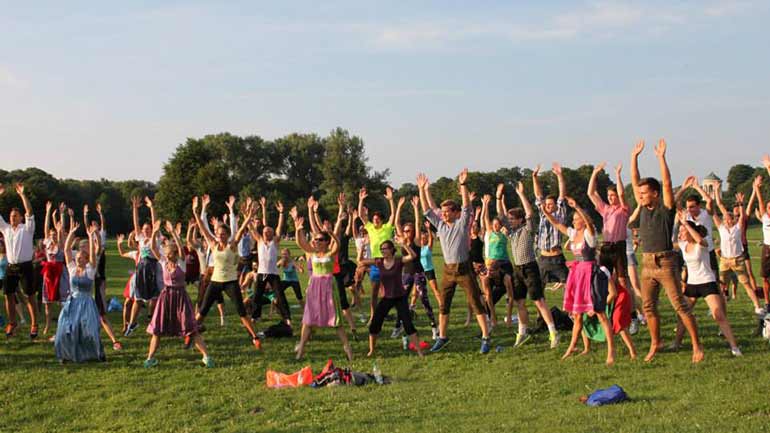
x=593, y=19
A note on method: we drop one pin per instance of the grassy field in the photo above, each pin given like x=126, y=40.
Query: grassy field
x=526, y=389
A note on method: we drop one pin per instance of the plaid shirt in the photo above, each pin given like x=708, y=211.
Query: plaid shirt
x=522, y=240
x=548, y=236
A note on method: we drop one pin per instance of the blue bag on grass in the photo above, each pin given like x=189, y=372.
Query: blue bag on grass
x=611, y=395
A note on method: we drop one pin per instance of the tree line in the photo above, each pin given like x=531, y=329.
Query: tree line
x=290, y=169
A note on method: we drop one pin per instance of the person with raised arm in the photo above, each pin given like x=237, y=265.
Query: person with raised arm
x=146, y=280
x=763, y=215
x=268, y=246
x=614, y=213
x=361, y=240
x=739, y=206
x=414, y=273
x=321, y=307
x=77, y=333
x=701, y=280
x=452, y=224
x=54, y=271
x=520, y=224
x=659, y=263
x=553, y=265
x=19, y=244
x=174, y=314
x=133, y=254
x=379, y=230
x=224, y=277
x=395, y=293
x=731, y=228
x=496, y=261
x=699, y=215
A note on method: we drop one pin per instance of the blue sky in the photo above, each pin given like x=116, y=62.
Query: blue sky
x=101, y=89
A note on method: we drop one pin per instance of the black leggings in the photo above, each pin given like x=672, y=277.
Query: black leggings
x=382, y=310
x=341, y=285
x=215, y=289
x=275, y=285
x=295, y=286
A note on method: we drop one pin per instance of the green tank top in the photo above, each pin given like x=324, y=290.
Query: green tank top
x=496, y=246
x=322, y=265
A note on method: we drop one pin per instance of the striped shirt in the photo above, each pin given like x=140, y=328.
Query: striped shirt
x=548, y=236
x=522, y=240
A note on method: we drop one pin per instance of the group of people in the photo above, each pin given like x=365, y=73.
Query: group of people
x=241, y=255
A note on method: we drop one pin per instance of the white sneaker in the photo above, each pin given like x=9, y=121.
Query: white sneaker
x=736, y=352
x=405, y=342
x=633, y=329
x=397, y=332
x=435, y=333
x=760, y=312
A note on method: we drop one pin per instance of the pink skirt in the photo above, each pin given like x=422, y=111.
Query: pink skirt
x=320, y=303
x=577, y=293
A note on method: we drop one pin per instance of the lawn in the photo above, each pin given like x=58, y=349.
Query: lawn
x=526, y=389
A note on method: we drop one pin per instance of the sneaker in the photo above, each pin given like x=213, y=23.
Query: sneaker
x=633, y=329
x=434, y=331
x=484, y=346
x=521, y=338
x=553, y=337
x=397, y=332
x=208, y=362
x=439, y=344
x=221, y=321
x=405, y=342
x=760, y=312
x=149, y=363
x=33, y=332
x=131, y=328
x=736, y=352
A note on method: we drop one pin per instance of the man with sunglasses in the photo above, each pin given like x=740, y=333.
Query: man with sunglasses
x=452, y=225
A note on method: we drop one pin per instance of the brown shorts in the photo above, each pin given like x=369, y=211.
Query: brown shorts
x=737, y=265
x=661, y=269
x=462, y=274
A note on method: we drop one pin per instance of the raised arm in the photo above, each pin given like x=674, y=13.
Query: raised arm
x=334, y=247
x=706, y=196
x=362, y=194
x=149, y=204
x=352, y=223
x=486, y=223
x=299, y=236
x=416, y=211
x=154, y=240
x=85, y=216
x=46, y=224
x=135, y=203
x=722, y=209
x=665, y=175
x=102, y=221
x=242, y=230
x=752, y=199
x=635, y=178
x=619, y=187
x=760, y=199
x=593, y=195
x=312, y=215
x=411, y=254
x=500, y=201
x=119, y=243
x=634, y=215
x=528, y=211
x=399, y=229
x=556, y=168
x=461, y=179
x=741, y=210
x=389, y=197
x=341, y=218
x=205, y=232
x=422, y=188
x=263, y=205
x=91, y=231
x=69, y=241
x=536, y=183
x=24, y=199
x=279, y=227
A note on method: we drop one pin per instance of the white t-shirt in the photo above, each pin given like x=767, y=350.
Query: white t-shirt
x=268, y=257
x=698, y=264
x=766, y=228
x=731, y=241
x=361, y=243
x=704, y=219
x=19, y=242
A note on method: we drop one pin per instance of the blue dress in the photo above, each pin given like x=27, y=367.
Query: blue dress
x=77, y=334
